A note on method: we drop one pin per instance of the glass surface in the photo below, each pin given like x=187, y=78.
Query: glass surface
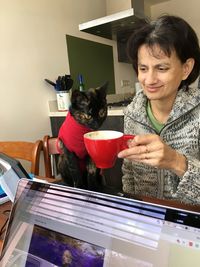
x=51, y=225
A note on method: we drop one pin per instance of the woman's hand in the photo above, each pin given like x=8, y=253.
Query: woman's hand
x=151, y=150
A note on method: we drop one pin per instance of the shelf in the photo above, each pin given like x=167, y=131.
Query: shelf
x=54, y=112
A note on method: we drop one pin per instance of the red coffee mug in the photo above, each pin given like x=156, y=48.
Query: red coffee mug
x=104, y=145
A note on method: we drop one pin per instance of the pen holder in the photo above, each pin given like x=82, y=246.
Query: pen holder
x=63, y=100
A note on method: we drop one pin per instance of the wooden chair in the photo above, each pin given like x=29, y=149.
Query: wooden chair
x=28, y=151
x=50, y=152
x=51, y=157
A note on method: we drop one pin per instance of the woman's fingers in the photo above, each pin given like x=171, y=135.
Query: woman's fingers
x=145, y=148
x=133, y=151
x=146, y=139
x=151, y=150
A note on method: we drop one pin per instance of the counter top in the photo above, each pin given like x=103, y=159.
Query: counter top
x=54, y=112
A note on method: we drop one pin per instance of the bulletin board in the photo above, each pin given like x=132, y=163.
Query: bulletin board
x=93, y=60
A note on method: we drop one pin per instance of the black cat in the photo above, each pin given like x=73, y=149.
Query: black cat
x=87, y=112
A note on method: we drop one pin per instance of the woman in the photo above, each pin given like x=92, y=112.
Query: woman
x=163, y=160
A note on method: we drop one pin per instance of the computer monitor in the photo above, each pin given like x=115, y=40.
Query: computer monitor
x=53, y=225
x=11, y=171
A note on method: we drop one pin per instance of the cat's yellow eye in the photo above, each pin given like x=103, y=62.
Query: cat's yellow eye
x=102, y=112
x=85, y=117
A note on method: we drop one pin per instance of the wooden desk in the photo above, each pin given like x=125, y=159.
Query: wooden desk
x=170, y=203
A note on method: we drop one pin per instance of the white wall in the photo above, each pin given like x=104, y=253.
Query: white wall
x=33, y=47
x=113, y=6
x=189, y=10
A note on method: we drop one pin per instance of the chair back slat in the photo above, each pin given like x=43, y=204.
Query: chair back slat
x=50, y=151
x=23, y=150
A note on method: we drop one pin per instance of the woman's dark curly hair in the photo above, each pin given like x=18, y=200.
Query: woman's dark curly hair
x=171, y=33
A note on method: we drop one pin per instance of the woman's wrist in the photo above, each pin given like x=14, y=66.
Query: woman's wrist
x=180, y=164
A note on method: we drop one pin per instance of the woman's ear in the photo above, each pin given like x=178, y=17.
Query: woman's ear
x=187, y=67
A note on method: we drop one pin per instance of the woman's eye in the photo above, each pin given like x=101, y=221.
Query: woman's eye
x=142, y=69
x=163, y=68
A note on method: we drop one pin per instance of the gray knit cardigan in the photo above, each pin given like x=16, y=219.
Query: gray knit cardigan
x=181, y=132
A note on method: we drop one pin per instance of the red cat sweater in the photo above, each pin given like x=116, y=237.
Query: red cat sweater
x=71, y=133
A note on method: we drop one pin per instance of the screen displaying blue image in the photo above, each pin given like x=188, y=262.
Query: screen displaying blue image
x=62, y=250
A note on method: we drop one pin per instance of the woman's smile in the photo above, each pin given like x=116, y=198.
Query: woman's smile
x=152, y=89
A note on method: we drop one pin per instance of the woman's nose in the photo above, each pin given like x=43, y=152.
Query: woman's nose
x=151, y=77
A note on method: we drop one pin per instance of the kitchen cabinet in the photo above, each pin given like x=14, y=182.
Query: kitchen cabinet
x=112, y=122
x=56, y=122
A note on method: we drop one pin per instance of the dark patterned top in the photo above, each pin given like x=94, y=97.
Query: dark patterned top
x=181, y=132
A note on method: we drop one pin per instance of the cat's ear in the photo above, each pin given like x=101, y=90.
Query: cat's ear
x=75, y=95
x=102, y=90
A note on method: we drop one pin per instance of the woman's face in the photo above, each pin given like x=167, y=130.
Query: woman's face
x=160, y=75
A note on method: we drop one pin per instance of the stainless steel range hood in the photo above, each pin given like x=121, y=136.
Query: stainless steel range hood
x=116, y=26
